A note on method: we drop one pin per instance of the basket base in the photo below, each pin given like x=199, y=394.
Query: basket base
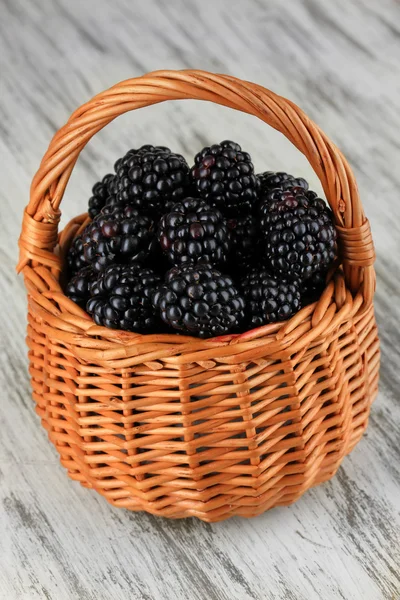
x=246, y=507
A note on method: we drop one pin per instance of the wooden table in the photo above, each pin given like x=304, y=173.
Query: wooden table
x=340, y=61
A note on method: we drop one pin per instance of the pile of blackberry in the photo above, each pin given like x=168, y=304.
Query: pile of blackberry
x=202, y=251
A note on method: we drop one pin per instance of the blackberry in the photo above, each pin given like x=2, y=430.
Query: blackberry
x=77, y=288
x=101, y=192
x=224, y=176
x=75, y=257
x=244, y=239
x=313, y=288
x=300, y=236
x=193, y=232
x=121, y=298
x=118, y=234
x=199, y=300
x=269, y=299
x=151, y=179
x=270, y=180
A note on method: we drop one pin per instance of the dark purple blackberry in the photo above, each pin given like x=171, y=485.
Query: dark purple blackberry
x=193, y=232
x=270, y=180
x=224, y=176
x=300, y=236
x=151, y=179
x=312, y=288
x=200, y=301
x=101, y=192
x=77, y=288
x=121, y=298
x=244, y=239
x=118, y=234
x=269, y=299
x=75, y=257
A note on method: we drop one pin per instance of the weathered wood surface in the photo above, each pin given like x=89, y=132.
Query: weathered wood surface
x=340, y=61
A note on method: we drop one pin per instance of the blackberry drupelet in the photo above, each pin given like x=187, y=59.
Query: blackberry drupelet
x=118, y=234
x=151, y=179
x=224, y=176
x=270, y=180
x=200, y=301
x=269, y=299
x=300, y=236
x=77, y=288
x=193, y=232
x=75, y=257
x=101, y=193
x=244, y=239
x=121, y=298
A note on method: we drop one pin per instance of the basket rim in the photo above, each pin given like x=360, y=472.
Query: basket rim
x=67, y=323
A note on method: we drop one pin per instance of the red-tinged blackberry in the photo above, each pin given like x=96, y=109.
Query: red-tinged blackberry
x=224, y=176
x=300, y=236
x=101, y=193
x=269, y=299
x=193, y=232
x=270, y=180
x=151, y=179
x=77, y=288
x=244, y=239
x=118, y=234
x=75, y=257
x=121, y=298
x=200, y=301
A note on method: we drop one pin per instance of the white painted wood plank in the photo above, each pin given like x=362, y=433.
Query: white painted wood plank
x=340, y=62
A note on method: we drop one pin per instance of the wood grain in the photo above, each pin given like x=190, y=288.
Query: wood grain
x=341, y=63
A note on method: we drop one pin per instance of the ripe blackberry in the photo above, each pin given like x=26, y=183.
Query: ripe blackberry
x=270, y=180
x=300, y=236
x=101, y=192
x=199, y=300
x=75, y=257
x=269, y=299
x=224, y=176
x=244, y=239
x=193, y=232
x=77, y=288
x=313, y=288
x=151, y=179
x=121, y=298
x=118, y=234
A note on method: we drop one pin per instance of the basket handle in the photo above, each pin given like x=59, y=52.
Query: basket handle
x=41, y=217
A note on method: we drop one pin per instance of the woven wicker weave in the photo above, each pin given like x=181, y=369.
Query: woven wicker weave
x=179, y=426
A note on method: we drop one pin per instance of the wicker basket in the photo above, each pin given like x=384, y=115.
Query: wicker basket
x=179, y=426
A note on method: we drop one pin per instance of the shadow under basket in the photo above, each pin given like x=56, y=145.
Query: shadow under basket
x=178, y=426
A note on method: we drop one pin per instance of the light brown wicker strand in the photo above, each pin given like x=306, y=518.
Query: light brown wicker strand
x=179, y=426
